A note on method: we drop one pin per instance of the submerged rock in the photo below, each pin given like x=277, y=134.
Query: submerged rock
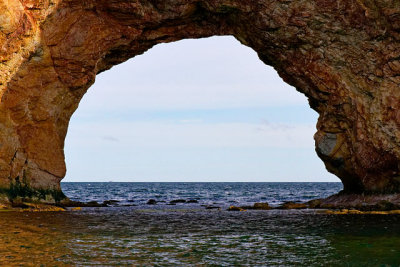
x=111, y=202
x=212, y=208
x=352, y=211
x=38, y=207
x=235, y=208
x=151, y=202
x=293, y=205
x=362, y=202
x=176, y=201
x=314, y=204
x=256, y=206
x=261, y=206
x=93, y=204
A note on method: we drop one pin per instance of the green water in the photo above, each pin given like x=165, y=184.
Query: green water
x=194, y=237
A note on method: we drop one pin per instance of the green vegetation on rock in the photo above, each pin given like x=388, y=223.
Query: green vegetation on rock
x=22, y=191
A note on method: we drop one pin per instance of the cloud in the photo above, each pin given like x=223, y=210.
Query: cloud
x=211, y=73
x=267, y=126
x=194, y=134
x=110, y=138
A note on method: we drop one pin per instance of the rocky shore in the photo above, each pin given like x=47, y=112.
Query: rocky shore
x=335, y=204
x=339, y=204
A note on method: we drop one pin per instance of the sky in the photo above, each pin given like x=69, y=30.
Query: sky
x=204, y=110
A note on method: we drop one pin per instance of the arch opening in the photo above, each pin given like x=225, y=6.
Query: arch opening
x=193, y=110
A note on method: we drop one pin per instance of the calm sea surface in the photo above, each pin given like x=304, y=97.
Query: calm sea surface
x=191, y=235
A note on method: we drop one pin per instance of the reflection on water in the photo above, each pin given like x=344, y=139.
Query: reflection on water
x=189, y=236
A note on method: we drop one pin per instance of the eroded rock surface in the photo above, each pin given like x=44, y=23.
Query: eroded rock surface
x=344, y=55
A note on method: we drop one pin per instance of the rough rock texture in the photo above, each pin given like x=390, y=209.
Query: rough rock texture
x=377, y=202
x=344, y=55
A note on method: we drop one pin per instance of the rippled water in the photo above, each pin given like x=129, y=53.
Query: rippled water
x=189, y=235
x=222, y=194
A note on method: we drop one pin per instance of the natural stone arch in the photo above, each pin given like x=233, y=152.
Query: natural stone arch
x=342, y=54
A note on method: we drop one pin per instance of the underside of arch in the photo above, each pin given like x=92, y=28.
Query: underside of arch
x=344, y=55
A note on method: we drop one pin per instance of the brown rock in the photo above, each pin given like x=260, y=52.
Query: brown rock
x=314, y=204
x=343, y=55
x=261, y=206
x=292, y=205
x=376, y=202
x=234, y=208
x=345, y=211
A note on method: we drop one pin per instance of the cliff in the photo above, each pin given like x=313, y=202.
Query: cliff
x=344, y=55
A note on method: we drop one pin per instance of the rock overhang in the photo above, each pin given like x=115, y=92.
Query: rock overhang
x=344, y=55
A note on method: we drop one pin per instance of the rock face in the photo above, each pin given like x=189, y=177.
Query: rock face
x=344, y=55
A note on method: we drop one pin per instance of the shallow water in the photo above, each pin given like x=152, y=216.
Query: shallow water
x=180, y=237
x=189, y=235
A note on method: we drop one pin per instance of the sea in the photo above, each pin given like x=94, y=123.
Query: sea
x=198, y=230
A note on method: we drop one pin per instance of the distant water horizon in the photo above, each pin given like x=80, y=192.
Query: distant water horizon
x=207, y=193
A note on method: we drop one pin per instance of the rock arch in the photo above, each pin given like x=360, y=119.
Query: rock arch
x=344, y=55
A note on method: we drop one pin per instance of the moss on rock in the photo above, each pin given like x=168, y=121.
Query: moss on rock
x=21, y=191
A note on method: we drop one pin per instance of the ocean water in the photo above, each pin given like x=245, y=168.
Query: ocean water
x=217, y=194
x=191, y=235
